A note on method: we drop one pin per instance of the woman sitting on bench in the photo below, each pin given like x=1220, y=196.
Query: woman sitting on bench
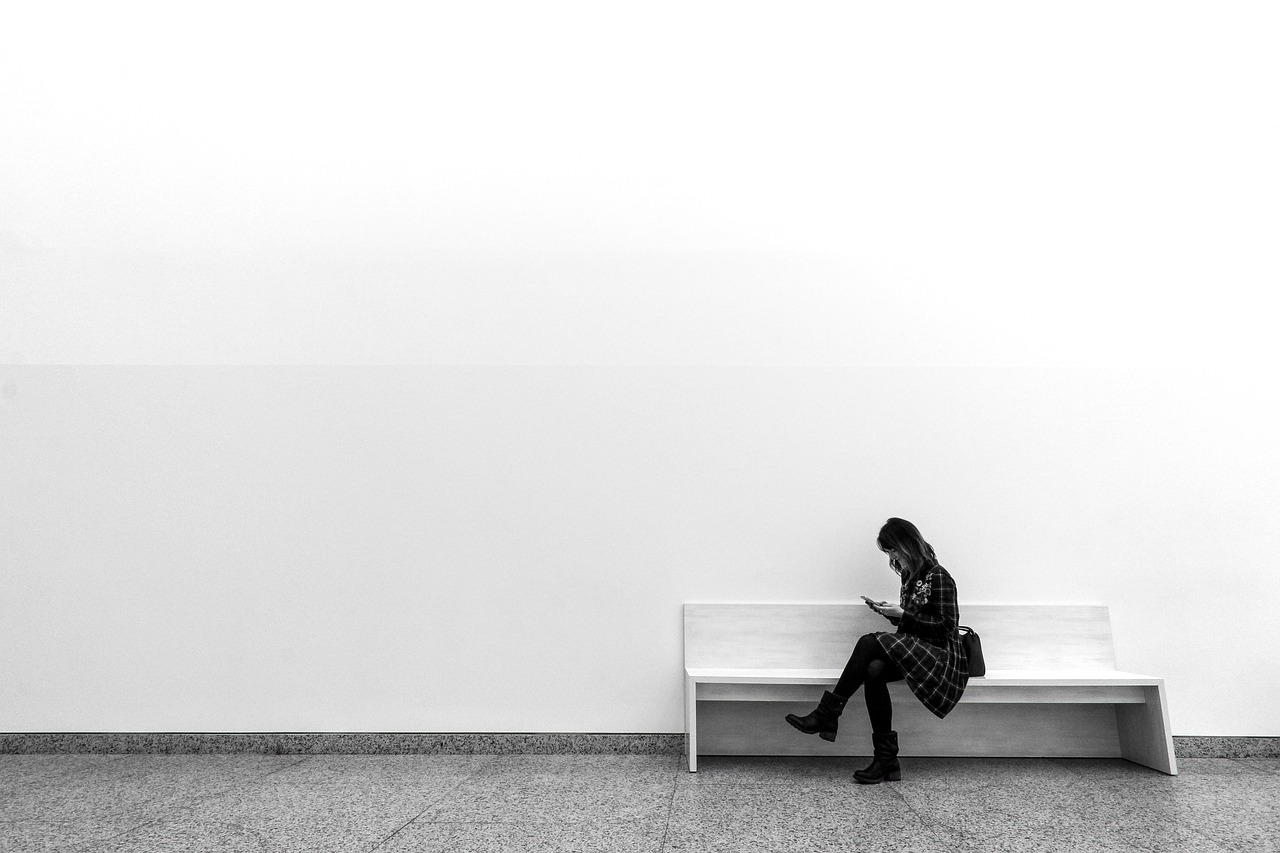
x=926, y=651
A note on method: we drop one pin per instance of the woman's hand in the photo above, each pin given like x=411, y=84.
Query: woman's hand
x=888, y=611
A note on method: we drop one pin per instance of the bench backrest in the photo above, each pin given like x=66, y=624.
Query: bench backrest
x=820, y=636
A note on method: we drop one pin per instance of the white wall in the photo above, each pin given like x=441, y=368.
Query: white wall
x=507, y=548
x=361, y=361
x=658, y=182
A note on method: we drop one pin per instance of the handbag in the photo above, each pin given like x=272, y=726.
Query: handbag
x=973, y=651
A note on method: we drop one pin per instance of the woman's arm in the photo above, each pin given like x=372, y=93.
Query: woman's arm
x=939, y=616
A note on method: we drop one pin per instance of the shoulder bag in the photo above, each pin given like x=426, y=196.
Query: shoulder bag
x=973, y=651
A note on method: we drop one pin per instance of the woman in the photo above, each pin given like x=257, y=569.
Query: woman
x=926, y=651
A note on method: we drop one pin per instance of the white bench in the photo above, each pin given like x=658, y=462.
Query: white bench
x=1051, y=688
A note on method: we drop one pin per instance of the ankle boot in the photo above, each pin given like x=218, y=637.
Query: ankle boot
x=825, y=718
x=884, y=766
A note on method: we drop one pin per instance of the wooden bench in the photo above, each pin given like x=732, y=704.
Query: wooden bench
x=1051, y=688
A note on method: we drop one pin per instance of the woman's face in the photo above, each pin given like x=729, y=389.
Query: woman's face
x=896, y=561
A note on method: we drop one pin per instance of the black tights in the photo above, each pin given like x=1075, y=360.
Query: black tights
x=871, y=668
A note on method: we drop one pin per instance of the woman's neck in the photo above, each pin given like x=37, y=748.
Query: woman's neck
x=915, y=573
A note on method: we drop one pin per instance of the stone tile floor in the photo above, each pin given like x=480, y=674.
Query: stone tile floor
x=627, y=803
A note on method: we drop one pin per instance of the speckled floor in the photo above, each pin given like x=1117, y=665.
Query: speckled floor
x=627, y=803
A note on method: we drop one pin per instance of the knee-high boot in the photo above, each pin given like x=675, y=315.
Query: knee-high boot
x=884, y=766
x=824, y=720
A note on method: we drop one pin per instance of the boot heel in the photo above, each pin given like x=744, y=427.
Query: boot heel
x=829, y=736
x=895, y=776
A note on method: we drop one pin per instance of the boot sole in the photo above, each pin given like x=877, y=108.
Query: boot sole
x=889, y=777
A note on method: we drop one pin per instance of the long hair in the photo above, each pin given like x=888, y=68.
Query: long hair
x=902, y=536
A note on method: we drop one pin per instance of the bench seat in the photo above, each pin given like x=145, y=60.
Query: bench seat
x=996, y=686
x=1060, y=694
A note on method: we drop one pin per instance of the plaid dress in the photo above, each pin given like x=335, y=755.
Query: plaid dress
x=927, y=646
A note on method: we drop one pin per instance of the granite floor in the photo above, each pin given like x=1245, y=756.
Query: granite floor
x=627, y=803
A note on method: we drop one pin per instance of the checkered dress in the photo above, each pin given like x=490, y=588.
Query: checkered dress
x=927, y=646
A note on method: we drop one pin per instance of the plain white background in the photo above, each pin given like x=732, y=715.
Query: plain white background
x=405, y=368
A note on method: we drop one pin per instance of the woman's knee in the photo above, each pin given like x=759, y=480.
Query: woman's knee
x=868, y=642
x=883, y=671
x=876, y=671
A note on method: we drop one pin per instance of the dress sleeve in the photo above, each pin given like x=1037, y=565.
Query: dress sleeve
x=937, y=617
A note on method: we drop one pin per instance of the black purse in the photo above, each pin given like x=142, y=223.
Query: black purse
x=973, y=651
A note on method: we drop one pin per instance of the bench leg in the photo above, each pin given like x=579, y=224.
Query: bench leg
x=691, y=722
x=1145, y=737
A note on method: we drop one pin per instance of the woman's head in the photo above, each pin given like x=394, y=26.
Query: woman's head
x=907, y=550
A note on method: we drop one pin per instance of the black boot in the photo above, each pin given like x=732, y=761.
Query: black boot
x=825, y=718
x=884, y=766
